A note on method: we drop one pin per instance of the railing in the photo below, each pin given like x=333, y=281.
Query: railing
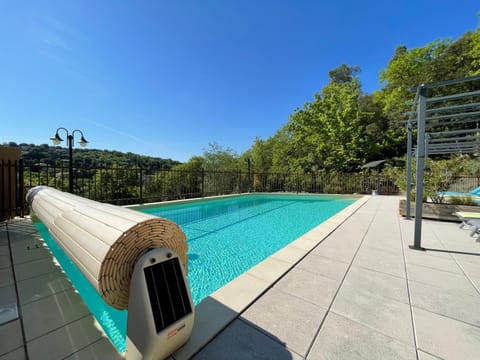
x=136, y=185
x=465, y=183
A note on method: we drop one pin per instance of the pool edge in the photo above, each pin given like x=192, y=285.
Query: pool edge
x=216, y=197
x=218, y=310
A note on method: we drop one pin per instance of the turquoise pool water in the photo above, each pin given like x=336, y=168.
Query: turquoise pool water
x=226, y=237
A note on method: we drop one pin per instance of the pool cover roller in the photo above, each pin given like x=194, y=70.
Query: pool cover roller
x=104, y=240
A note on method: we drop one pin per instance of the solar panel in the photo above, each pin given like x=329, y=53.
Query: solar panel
x=167, y=292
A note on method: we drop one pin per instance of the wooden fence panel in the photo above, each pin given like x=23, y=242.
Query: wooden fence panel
x=10, y=189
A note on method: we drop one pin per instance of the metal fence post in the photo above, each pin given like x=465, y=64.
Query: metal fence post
x=141, y=185
x=203, y=181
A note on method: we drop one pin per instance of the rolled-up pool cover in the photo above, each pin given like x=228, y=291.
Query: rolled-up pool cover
x=104, y=240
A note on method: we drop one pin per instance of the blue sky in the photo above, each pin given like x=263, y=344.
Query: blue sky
x=166, y=78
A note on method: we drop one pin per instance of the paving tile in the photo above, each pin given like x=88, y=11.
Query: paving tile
x=381, y=284
x=317, y=289
x=442, y=279
x=468, y=257
x=446, y=338
x=3, y=235
x=342, y=338
x=434, y=262
x=211, y=317
x=5, y=257
x=438, y=252
x=241, y=341
x=336, y=251
x=11, y=336
x=471, y=268
x=99, y=350
x=8, y=295
x=381, y=261
x=459, y=242
x=320, y=232
x=8, y=312
x=6, y=276
x=30, y=252
x=36, y=288
x=305, y=243
x=289, y=254
x=50, y=313
x=17, y=354
x=424, y=356
x=384, y=243
x=4, y=250
x=64, y=341
x=390, y=317
x=270, y=269
x=431, y=298
x=241, y=292
x=278, y=314
x=332, y=269
x=21, y=230
x=36, y=268
x=24, y=241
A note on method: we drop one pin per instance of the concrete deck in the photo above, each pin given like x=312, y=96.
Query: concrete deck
x=361, y=293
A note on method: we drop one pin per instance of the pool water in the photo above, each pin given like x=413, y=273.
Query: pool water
x=226, y=237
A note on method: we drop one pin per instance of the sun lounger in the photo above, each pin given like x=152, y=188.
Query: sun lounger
x=465, y=216
x=474, y=227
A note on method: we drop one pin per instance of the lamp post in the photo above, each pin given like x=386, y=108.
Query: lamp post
x=70, y=137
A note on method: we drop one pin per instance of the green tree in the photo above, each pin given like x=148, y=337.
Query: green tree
x=343, y=74
x=440, y=60
x=328, y=133
x=217, y=158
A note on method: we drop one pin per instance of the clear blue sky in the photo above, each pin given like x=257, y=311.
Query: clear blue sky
x=165, y=78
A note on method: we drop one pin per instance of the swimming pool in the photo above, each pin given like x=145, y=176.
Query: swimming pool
x=226, y=237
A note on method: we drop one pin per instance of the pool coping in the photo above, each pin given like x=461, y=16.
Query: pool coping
x=216, y=197
x=218, y=310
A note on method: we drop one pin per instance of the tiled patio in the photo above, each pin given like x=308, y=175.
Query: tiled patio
x=361, y=293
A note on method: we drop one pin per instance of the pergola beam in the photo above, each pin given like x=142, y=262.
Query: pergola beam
x=454, y=97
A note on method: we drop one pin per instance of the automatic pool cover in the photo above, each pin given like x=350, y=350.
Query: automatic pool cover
x=132, y=259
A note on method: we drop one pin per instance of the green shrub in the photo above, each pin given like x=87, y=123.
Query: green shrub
x=438, y=177
x=461, y=200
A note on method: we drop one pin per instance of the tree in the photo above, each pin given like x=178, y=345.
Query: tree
x=328, y=133
x=343, y=74
x=439, y=60
x=218, y=158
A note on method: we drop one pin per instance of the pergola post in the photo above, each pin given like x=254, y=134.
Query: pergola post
x=409, y=169
x=422, y=106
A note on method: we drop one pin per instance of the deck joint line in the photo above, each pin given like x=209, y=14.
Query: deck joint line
x=341, y=281
x=458, y=264
x=412, y=317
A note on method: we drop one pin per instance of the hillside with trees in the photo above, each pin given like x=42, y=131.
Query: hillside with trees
x=56, y=155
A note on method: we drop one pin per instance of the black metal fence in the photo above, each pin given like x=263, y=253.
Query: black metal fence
x=465, y=183
x=136, y=185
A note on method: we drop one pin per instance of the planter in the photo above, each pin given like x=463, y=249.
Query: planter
x=438, y=211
